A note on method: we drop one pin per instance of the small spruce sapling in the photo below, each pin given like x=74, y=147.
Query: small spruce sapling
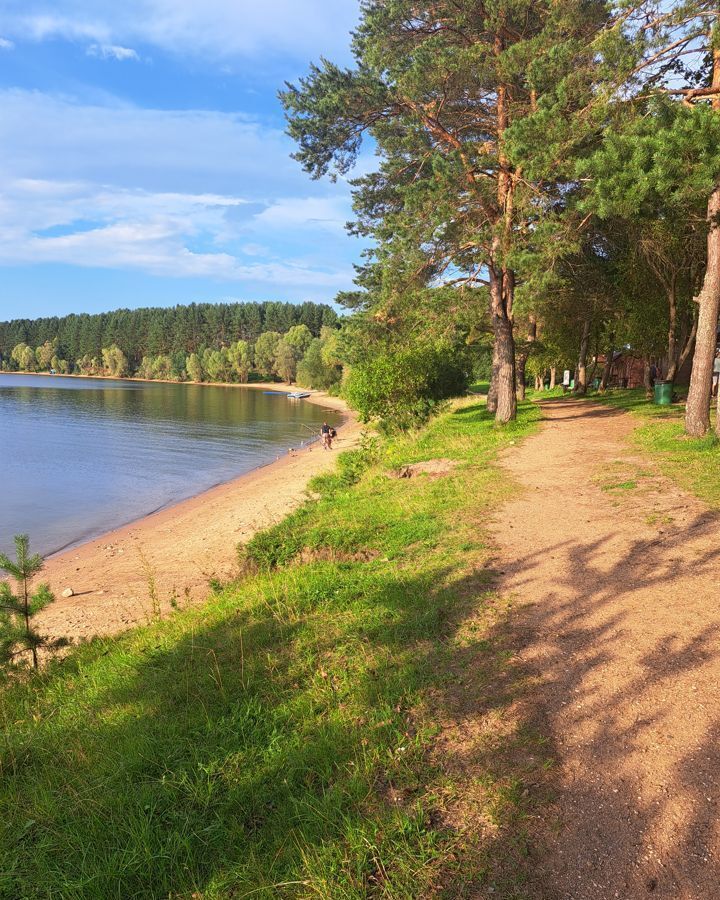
x=17, y=635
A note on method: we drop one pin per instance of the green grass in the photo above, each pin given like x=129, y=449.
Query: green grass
x=546, y=394
x=620, y=486
x=278, y=741
x=692, y=463
x=480, y=387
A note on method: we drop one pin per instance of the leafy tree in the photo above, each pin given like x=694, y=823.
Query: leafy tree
x=313, y=370
x=60, y=365
x=24, y=357
x=194, y=368
x=146, y=368
x=17, y=635
x=114, y=361
x=162, y=367
x=438, y=85
x=88, y=365
x=44, y=355
x=215, y=365
x=299, y=337
x=285, y=360
x=240, y=360
x=321, y=366
x=265, y=348
x=402, y=389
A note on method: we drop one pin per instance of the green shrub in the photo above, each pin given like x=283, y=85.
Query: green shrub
x=403, y=389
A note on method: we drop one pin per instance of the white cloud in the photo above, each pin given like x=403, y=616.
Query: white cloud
x=327, y=213
x=5, y=44
x=254, y=249
x=112, y=51
x=157, y=249
x=178, y=194
x=159, y=150
x=225, y=28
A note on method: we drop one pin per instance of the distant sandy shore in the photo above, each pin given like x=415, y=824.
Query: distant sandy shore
x=180, y=549
x=264, y=385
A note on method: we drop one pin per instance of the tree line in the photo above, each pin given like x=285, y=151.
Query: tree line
x=200, y=342
x=548, y=188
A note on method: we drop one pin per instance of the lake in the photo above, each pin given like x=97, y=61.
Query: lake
x=79, y=456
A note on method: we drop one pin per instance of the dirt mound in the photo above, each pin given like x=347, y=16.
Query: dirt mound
x=435, y=468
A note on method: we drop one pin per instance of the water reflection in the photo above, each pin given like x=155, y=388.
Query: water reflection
x=79, y=457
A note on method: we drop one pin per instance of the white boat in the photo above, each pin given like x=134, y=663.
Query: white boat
x=299, y=395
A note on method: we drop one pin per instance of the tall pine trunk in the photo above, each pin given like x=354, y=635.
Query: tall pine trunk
x=672, y=345
x=502, y=279
x=697, y=411
x=553, y=377
x=501, y=297
x=520, y=375
x=581, y=383
x=493, y=389
x=647, y=381
x=523, y=356
x=607, y=368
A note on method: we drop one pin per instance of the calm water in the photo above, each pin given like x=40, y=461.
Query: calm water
x=79, y=457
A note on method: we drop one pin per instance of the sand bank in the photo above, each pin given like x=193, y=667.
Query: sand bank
x=181, y=549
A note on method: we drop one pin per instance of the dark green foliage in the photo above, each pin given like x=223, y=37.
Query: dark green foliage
x=315, y=370
x=402, y=389
x=667, y=158
x=173, y=332
x=17, y=635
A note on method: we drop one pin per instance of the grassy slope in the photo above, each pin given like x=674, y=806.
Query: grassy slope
x=693, y=463
x=278, y=741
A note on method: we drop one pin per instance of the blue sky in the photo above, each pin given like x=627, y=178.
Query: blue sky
x=143, y=156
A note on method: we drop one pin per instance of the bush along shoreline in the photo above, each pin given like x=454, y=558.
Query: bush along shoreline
x=282, y=740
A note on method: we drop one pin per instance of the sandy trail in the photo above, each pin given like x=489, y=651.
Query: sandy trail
x=620, y=622
x=180, y=549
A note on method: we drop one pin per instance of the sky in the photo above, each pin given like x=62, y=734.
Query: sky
x=143, y=160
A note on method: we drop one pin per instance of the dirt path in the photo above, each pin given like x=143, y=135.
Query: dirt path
x=618, y=570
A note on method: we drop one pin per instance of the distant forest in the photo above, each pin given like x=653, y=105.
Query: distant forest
x=155, y=331
x=215, y=342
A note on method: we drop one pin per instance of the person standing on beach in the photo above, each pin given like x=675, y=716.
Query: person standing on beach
x=326, y=436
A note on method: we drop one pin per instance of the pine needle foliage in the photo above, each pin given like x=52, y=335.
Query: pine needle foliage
x=18, y=637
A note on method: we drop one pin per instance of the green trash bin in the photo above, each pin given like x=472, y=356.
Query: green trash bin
x=663, y=393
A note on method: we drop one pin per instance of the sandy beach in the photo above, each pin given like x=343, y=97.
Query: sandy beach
x=178, y=551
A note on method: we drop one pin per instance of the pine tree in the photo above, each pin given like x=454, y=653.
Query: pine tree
x=658, y=108
x=17, y=635
x=438, y=86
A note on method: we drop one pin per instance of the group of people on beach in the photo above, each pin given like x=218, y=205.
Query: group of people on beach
x=327, y=435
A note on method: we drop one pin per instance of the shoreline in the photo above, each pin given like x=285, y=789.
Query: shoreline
x=316, y=398
x=279, y=386
x=333, y=403
x=171, y=557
